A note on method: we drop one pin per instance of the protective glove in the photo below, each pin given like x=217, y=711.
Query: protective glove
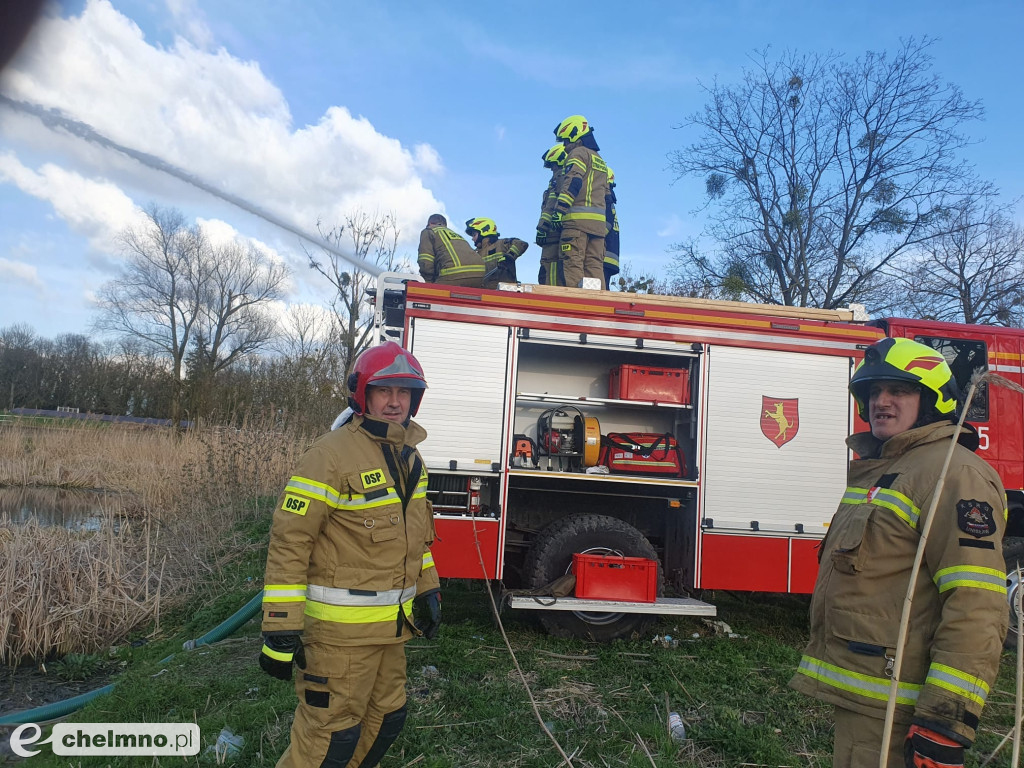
x=542, y=237
x=279, y=651
x=430, y=626
x=924, y=748
x=556, y=219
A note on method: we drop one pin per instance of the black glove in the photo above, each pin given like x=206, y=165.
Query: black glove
x=279, y=651
x=924, y=748
x=430, y=626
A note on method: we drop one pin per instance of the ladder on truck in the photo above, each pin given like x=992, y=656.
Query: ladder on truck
x=389, y=305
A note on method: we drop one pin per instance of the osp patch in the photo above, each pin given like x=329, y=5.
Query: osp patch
x=296, y=504
x=975, y=517
x=373, y=478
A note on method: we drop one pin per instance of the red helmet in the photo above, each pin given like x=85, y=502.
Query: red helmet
x=386, y=365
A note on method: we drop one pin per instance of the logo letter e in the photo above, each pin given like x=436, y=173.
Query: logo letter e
x=18, y=741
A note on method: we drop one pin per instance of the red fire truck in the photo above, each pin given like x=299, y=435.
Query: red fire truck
x=566, y=424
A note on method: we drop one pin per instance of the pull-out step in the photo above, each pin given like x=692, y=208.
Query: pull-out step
x=676, y=606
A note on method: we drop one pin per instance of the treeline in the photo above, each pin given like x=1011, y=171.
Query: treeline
x=304, y=389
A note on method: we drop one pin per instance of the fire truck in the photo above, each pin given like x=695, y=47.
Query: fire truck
x=567, y=425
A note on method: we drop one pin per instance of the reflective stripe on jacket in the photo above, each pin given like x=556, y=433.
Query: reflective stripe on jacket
x=349, y=544
x=958, y=617
x=446, y=257
x=499, y=260
x=582, y=191
x=548, y=203
x=611, y=240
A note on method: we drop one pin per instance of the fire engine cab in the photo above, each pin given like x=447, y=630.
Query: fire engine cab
x=568, y=425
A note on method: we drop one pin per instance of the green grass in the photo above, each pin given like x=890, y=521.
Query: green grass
x=605, y=704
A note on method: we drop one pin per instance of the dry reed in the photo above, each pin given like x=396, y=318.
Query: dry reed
x=64, y=590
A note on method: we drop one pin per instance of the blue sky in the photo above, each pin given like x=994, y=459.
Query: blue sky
x=311, y=109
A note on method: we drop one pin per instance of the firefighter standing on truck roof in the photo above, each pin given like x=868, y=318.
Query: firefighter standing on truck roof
x=581, y=204
x=549, y=231
x=349, y=550
x=611, y=240
x=907, y=393
x=499, y=254
x=445, y=257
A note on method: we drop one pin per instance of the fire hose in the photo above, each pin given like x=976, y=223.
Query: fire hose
x=60, y=709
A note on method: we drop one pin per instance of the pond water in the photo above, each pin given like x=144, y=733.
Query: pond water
x=73, y=509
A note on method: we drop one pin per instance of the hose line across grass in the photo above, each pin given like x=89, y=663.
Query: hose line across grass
x=60, y=709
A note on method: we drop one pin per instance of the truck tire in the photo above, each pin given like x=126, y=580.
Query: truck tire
x=551, y=557
x=1013, y=553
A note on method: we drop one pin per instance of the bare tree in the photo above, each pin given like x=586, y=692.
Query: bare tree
x=823, y=172
x=179, y=295
x=305, y=332
x=973, y=272
x=157, y=296
x=235, y=318
x=373, y=238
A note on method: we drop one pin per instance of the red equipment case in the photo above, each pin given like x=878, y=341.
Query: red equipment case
x=641, y=382
x=611, y=577
x=642, y=453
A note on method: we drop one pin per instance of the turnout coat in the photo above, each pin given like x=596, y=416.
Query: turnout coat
x=349, y=544
x=959, y=615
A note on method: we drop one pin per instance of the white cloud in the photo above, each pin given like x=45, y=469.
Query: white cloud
x=427, y=160
x=97, y=209
x=20, y=272
x=191, y=21
x=215, y=116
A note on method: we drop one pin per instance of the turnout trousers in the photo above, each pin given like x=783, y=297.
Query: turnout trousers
x=343, y=687
x=858, y=741
x=548, y=265
x=580, y=255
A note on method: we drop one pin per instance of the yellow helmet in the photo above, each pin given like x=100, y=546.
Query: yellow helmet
x=573, y=128
x=910, y=361
x=484, y=227
x=554, y=156
x=611, y=176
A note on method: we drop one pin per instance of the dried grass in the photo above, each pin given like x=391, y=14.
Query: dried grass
x=67, y=591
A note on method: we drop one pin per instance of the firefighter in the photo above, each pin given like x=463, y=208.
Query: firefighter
x=549, y=231
x=499, y=255
x=907, y=394
x=611, y=240
x=445, y=256
x=349, y=550
x=581, y=204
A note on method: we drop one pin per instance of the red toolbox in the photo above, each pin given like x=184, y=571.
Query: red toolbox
x=641, y=382
x=611, y=577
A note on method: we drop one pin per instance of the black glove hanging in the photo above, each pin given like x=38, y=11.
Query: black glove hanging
x=429, y=626
x=279, y=652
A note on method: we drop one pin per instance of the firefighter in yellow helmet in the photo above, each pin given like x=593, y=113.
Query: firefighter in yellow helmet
x=581, y=204
x=349, y=550
x=499, y=253
x=611, y=240
x=907, y=393
x=549, y=231
x=446, y=257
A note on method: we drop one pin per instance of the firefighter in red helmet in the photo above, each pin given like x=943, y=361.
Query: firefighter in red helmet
x=349, y=550
x=907, y=393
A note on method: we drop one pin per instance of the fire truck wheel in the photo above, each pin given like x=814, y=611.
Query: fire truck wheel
x=551, y=557
x=1013, y=553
